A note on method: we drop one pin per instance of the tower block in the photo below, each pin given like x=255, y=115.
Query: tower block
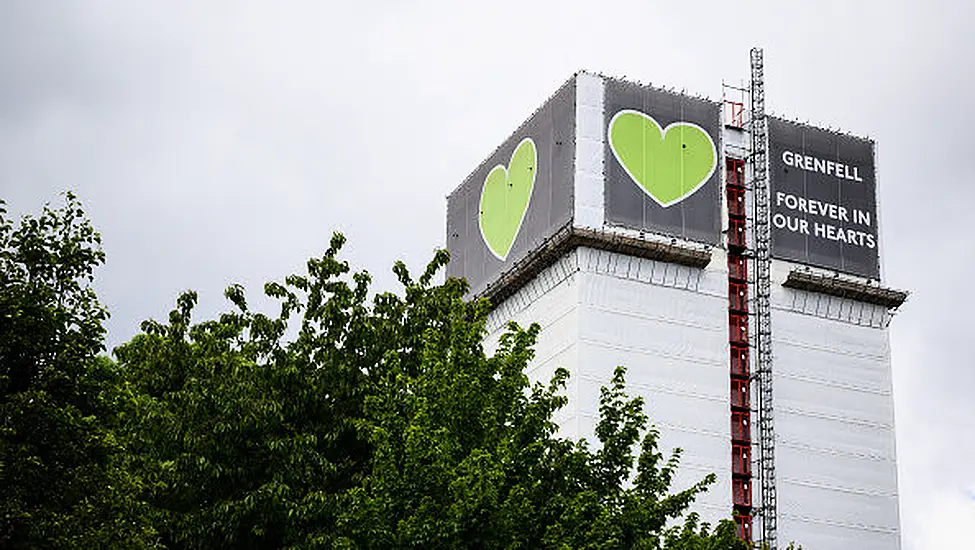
x=619, y=218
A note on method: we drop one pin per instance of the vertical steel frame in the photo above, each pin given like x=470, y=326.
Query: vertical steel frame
x=762, y=333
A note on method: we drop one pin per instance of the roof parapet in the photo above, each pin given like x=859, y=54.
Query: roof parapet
x=569, y=238
x=845, y=288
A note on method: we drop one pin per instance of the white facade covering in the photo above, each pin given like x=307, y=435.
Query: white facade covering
x=589, y=201
x=835, y=455
x=834, y=423
x=666, y=323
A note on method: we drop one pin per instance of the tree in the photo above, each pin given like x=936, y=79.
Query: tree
x=380, y=423
x=61, y=468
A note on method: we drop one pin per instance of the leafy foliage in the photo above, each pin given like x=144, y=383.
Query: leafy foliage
x=382, y=424
x=344, y=420
x=60, y=465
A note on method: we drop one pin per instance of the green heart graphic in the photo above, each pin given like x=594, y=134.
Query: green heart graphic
x=669, y=164
x=504, y=199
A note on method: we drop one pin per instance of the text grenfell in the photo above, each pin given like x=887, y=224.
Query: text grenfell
x=823, y=166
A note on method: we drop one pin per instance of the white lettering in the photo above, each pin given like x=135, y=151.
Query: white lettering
x=840, y=235
x=861, y=217
x=823, y=166
x=813, y=207
x=795, y=225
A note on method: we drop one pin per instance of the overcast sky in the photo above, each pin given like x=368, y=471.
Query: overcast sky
x=218, y=142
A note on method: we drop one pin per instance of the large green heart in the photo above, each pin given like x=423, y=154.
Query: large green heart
x=669, y=164
x=504, y=199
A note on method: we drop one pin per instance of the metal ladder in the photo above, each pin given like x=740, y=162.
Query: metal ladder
x=763, y=312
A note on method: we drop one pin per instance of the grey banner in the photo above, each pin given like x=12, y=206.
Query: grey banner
x=480, y=243
x=823, y=194
x=639, y=184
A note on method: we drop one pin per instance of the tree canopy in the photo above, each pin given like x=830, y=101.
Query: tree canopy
x=342, y=420
x=62, y=471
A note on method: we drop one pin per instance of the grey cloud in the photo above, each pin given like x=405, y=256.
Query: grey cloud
x=225, y=141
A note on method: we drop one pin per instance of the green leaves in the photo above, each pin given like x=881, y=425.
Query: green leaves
x=381, y=423
x=63, y=472
x=339, y=421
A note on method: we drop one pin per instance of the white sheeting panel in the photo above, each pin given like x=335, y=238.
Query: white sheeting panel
x=675, y=402
x=551, y=300
x=831, y=335
x=670, y=371
x=823, y=433
x=827, y=505
x=835, y=459
x=619, y=331
x=711, y=281
x=677, y=419
x=549, y=295
x=819, y=536
x=830, y=468
x=691, y=307
x=566, y=418
x=701, y=456
x=665, y=404
x=668, y=325
x=804, y=362
x=834, y=402
x=588, y=201
x=831, y=307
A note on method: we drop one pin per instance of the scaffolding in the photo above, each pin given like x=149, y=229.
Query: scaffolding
x=736, y=149
x=763, y=314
